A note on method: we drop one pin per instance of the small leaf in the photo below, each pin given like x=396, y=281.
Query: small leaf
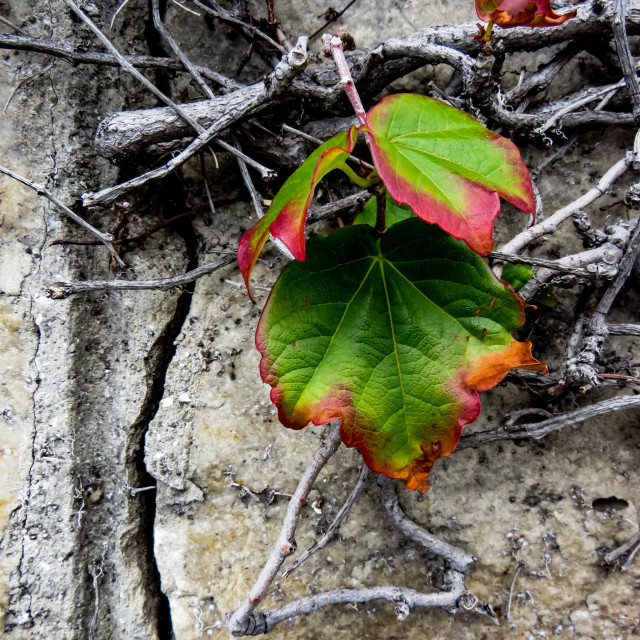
x=521, y=13
x=446, y=166
x=393, y=213
x=517, y=275
x=395, y=337
x=285, y=218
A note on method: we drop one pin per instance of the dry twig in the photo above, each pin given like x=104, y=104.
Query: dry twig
x=245, y=620
x=456, y=558
x=625, y=56
x=581, y=370
x=74, y=56
x=60, y=290
x=277, y=81
x=612, y=556
x=537, y=430
x=175, y=47
x=127, y=66
x=335, y=525
x=601, y=261
x=104, y=238
x=550, y=224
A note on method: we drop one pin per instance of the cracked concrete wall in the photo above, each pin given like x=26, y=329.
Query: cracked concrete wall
x=82, y=380
x=79, y=376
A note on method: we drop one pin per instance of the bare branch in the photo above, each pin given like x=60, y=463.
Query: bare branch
x=118, y=191
x=549, y=225
x=602, y=261
x=372, y=70
x=632, y=555
x=404, y=598
x=541, y=79
x=581, y=369
x=335, y=525
x=60, y=290
x=226, y=16
x=257, y=203
x=454, y=597
x=26, y=81
x=588, y=95
x=129, y=132
x=612, y=556
x=534, y=121
x=624, y=271
x=625, y=56
x=333, y=17
x=458, y=559
x=537, y=430
x=241, y=621
x=318, y=213
x=554, y=265
x=623, y=329
x=11, y=25
x=133, y=71
x=512, y=589
x=127, y=66
x=104, y=238
x=73, y=56
x=277, y=81
x=166, y=34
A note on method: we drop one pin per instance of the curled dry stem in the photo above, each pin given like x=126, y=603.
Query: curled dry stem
x=246, y=620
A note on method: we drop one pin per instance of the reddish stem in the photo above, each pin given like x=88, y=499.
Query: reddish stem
x=334, y=44
x=271, y=12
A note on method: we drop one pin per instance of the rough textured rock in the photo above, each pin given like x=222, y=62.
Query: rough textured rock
x=77, y=561
x=104, y=394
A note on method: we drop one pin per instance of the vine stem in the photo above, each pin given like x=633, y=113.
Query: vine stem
x=381, y=208
x=333, y=44
x=240, y=622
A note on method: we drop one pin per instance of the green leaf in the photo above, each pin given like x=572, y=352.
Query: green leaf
x=393, y=213
x=517, y=275
x=446, y=166
x=394, y=337
x=286, y=216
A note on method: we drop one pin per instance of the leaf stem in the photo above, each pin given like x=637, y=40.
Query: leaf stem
x=333, y=46
x=380, y=193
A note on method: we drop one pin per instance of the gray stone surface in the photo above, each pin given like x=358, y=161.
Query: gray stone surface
x=101, y=394
x=77, y=373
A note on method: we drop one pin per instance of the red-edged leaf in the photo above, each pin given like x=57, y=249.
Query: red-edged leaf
x=395, y=337
x=521, y=13
x=285, y=218
x=446, y=166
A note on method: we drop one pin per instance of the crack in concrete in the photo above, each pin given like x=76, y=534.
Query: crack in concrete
x=157, y=364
